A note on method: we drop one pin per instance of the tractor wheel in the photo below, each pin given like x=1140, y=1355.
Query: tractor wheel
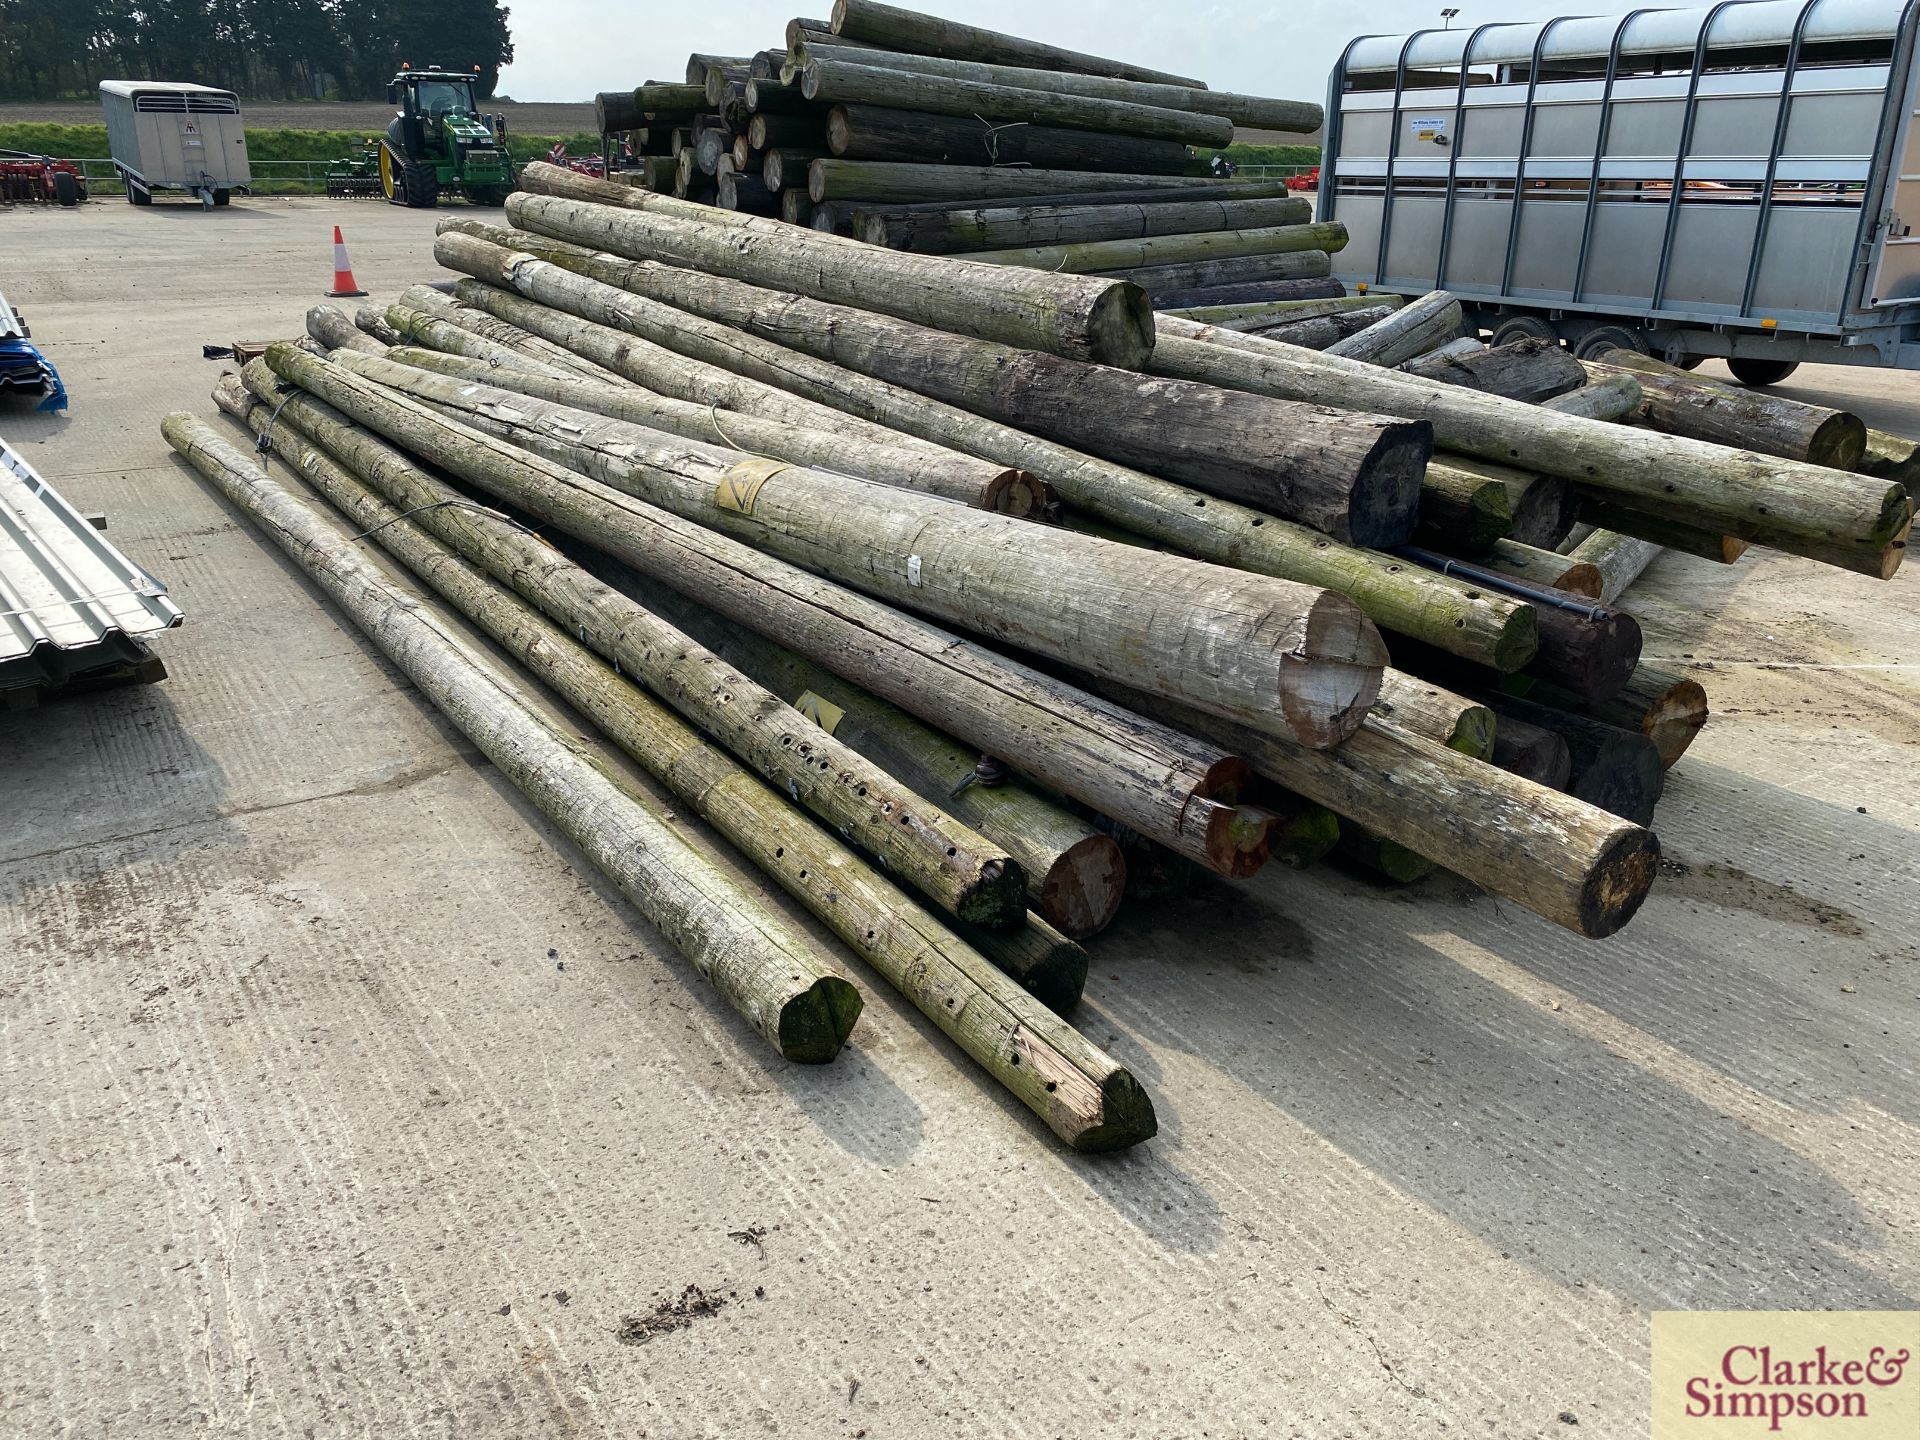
x=495, y=195
x=65, y=192
x=1762, y=372
x=1595, y=344
x=421, y=187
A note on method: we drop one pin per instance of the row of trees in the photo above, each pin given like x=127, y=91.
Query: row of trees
x=264, y=49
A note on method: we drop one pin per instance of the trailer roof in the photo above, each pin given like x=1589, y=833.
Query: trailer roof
x=150, y=87
x=1749, y=23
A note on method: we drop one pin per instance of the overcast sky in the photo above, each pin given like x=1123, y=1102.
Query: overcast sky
x=572, y=49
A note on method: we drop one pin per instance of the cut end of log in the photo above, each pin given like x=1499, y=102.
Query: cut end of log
x=1059, y=977
x=1305, y=837
x=1619, y=883
x=1580, y=578
x=1891, y=558
x=1386, y=498
x=1125, y=1118
x=815, y=1023
x=1082, y=891
x=1328, y=684
x=1016, y=493
x=1474, y=732
x=997, y=899
x=1120, y=327
x=1839, y=442
x=1239, y=838
x=1674, y=719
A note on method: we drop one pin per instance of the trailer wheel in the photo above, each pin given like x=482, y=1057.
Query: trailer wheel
x=137, y=195
x=221, y=197
x=1596, y=342
x=65, y=192
x=1762, y=372
x=1524, y=327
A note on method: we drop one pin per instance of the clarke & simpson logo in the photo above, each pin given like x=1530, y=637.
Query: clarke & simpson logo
x=1804, y=1374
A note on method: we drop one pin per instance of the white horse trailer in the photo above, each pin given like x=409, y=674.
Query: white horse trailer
x=1738, y=181
x=166, y=136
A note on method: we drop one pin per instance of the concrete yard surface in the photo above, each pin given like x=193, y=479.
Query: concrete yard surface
x=339, y=1097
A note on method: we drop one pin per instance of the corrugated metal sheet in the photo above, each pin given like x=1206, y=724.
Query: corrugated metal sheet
x=69, y=600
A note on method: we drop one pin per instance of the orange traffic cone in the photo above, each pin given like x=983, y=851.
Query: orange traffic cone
x=344, y=285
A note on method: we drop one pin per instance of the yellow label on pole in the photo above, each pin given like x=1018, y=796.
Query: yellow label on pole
x=740, y=486
x=823, y=713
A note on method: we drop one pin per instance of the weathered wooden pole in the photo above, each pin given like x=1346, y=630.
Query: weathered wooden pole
x=372, y=321
x=1072, y=315
x=1561, y=858
x=461, y=330
x=1260, y=314
x=1265, y=651
x=1598, y=508
x=956, y=867
x=1893, y=457
x=633, y=360
x=1530, y=370
x=1175, y=298
x=932, y=966
x=908, y=182
x=1846, y=520
x=1616, y=769
x=768, y=970
x=1451, y=615
x=330, y=325
x=1614, y=398
x=1619, y=559
x=747, y=194
x=1002, y=227
x=1342, y=473
x=1042, y=960
x=1075, y=874
x=1164, y=784
x=1174, y=279
x=878, y=132
x=839, y=83
x=1677, y=402
x=1318, y=332
x=1547, y=568
x=1412, y=330
x=1532, y=753
x=1422, y=708
x=901, y=29
x=771, y=132
x=1462, y=509
x=979, y=484
x=1255, y=112
x=550, y=358
x=615, y=111
x=786, y=169
x=1094, y=256
x=1668, y=709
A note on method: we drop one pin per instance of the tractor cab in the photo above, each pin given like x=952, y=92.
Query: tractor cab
x=439, y=141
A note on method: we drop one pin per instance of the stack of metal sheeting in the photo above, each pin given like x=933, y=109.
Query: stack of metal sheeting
x=70, y=603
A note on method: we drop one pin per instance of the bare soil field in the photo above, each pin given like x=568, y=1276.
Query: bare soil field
x=357, y=115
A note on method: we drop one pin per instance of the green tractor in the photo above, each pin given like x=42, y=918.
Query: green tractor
x=439, y=142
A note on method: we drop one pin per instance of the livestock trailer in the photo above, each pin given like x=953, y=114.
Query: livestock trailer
x=166, y=136
x=1738, y=181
